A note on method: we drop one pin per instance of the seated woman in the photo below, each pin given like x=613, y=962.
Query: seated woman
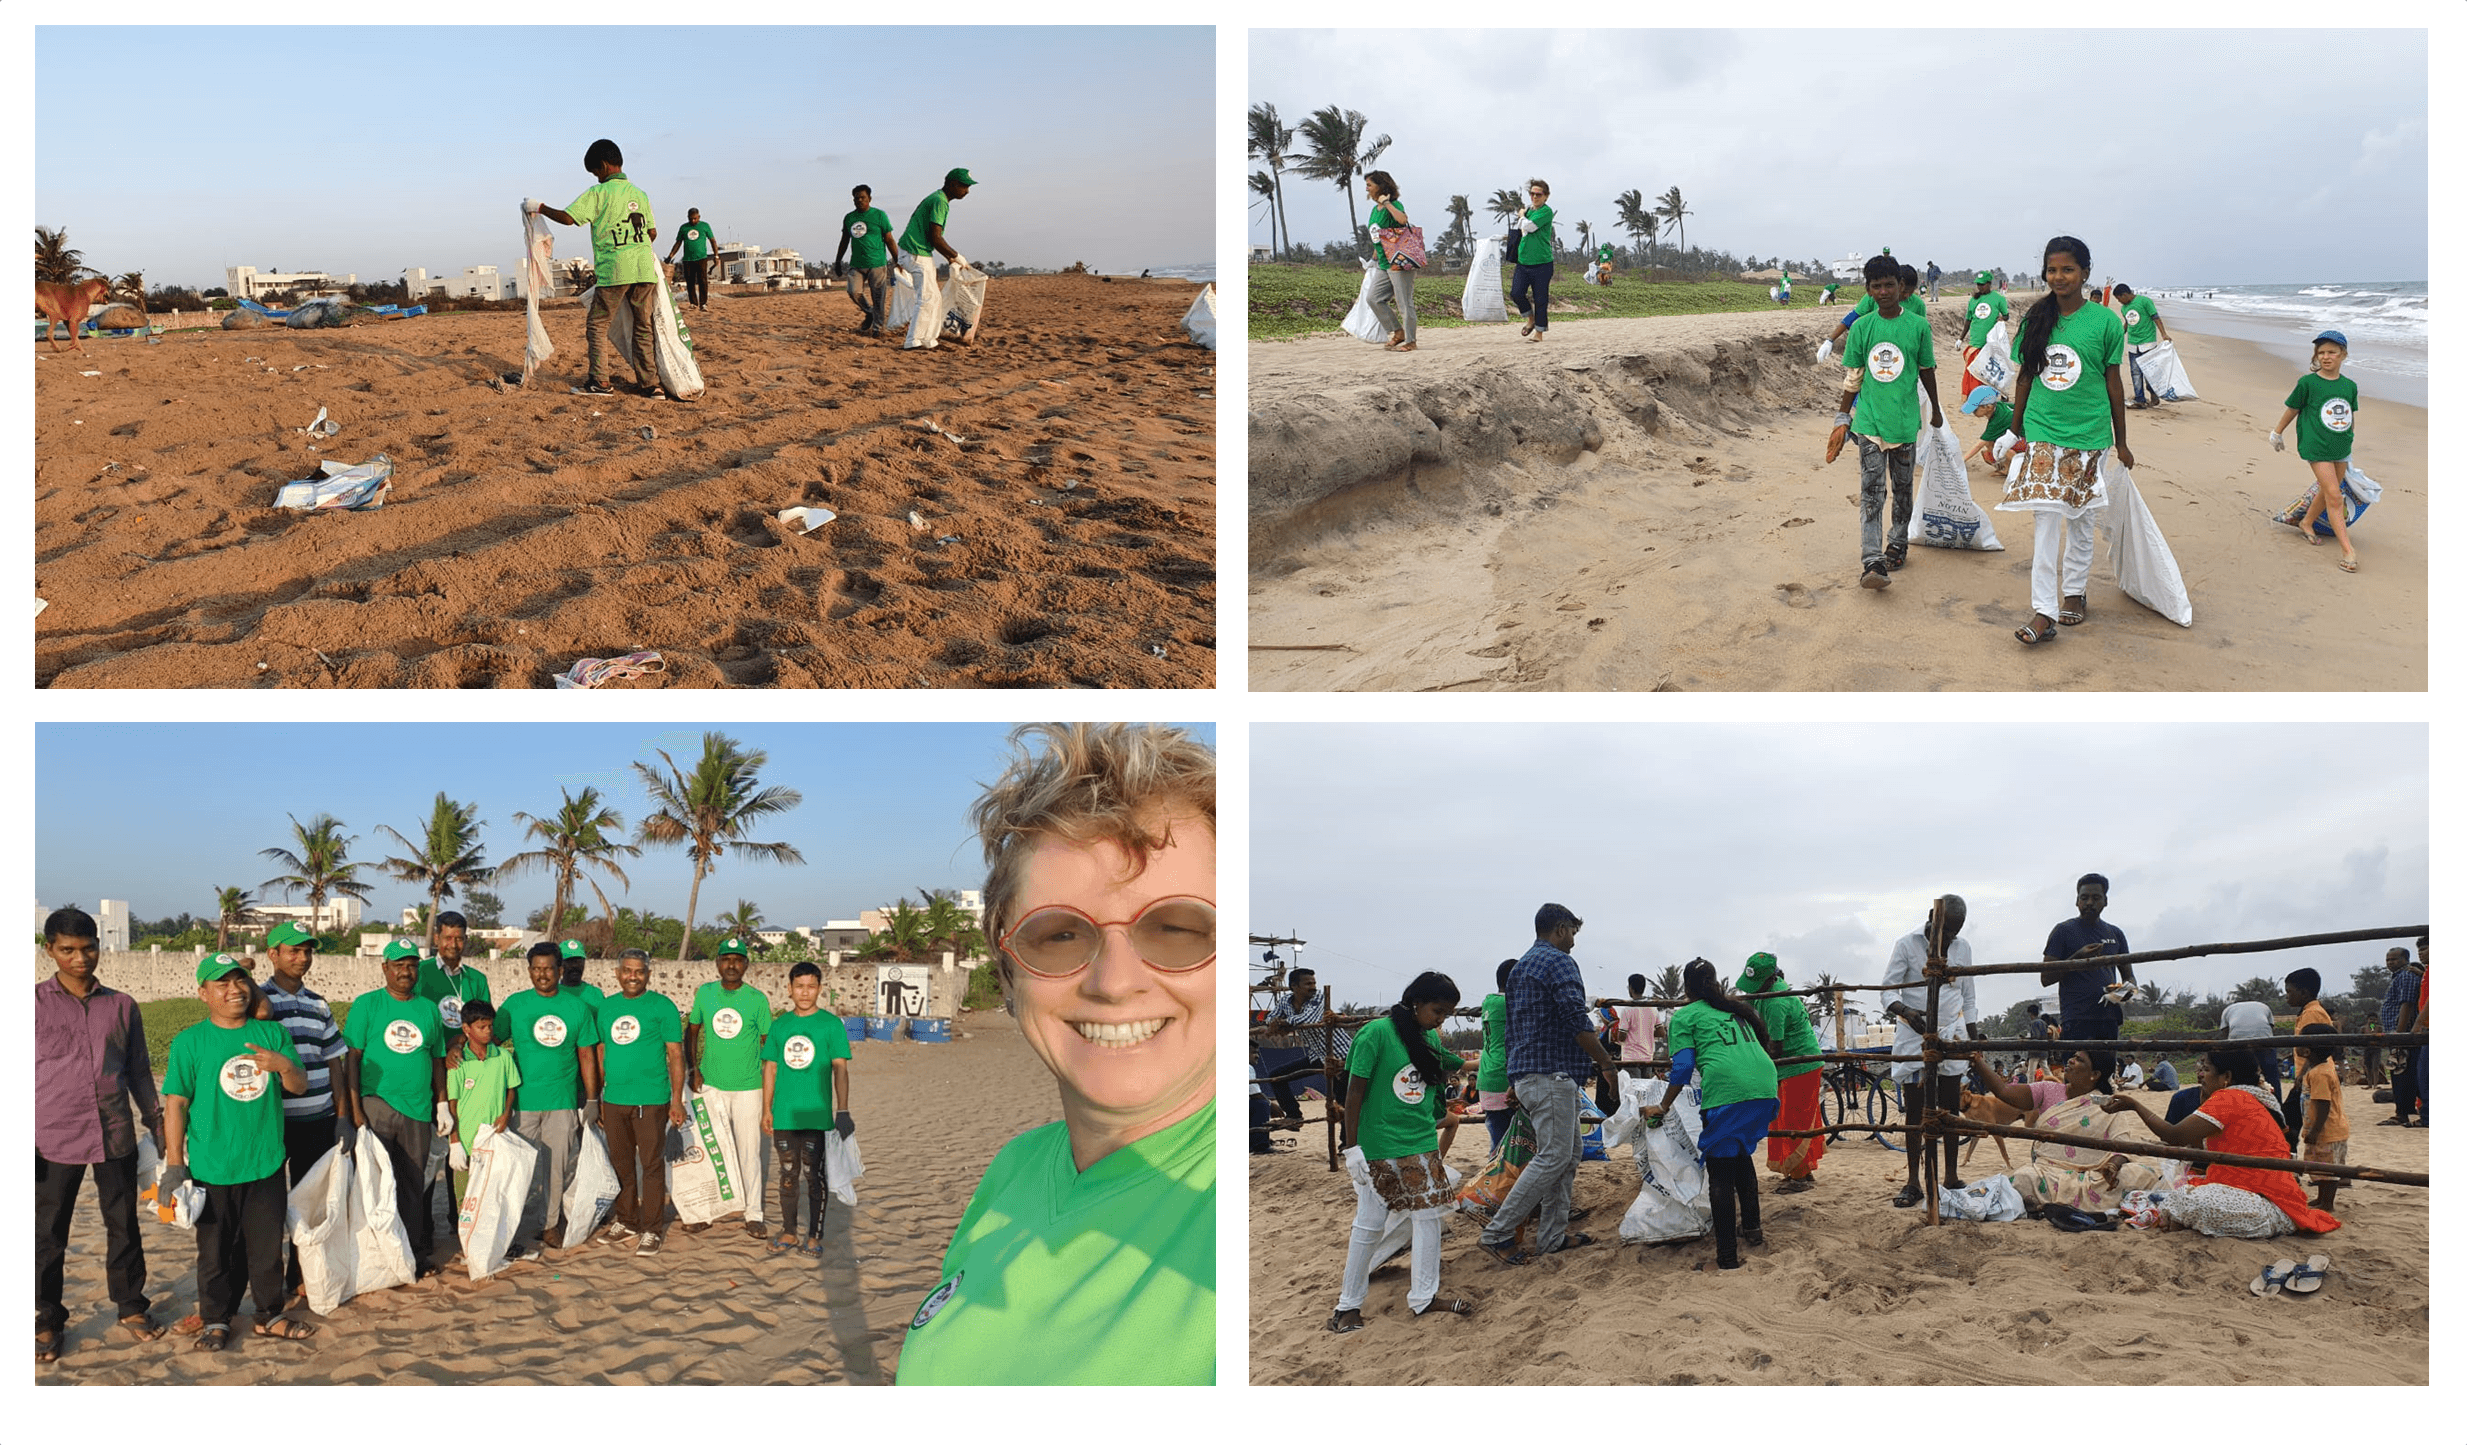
x=2081, y=1175
x=2236, y=1116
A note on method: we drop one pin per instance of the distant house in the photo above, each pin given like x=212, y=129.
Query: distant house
x=480, y=282
x=742, y=264
x=1261, y=255
x=1849, y=268
x=251, y=283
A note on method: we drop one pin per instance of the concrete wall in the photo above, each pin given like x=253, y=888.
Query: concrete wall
x=847, y=989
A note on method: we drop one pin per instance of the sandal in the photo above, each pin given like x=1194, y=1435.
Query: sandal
x=2348, y=563
x=1505, y=1253
x=1338, y=1326
x=1908, y=1198
x=283, y=1327
x=211, y=1339
x=1896, y=558
x=1452, y=1307
x=2031, y=636
x=758, y=1229
x=814, y=1246
x=1752, y=1236
x=1573, y=1241
x=142, y=1326
x=2305, y=1279
x=188, y=1325
x=46, y=1346
x=2270, y=1281
x=2076, y=609
x=784, y=1243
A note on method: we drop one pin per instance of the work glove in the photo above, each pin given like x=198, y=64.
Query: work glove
x=590, y=1112
x=1358, y=1167
x=169, y=1181
x=445, y=1125
x=2277, y=443
x=845, y=1122
x=456, y=1157
x=1824, y=351
x=957, y=260
x=2005, y=445
x=530, y=206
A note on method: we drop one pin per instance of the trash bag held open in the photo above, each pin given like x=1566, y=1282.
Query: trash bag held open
x=673, y=349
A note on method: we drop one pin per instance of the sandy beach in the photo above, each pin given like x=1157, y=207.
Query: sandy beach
x=713, y=1308
x=1849, y=1290
x=1643, y=504
x=1065, y=532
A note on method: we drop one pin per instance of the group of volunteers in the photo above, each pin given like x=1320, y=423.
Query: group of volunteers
x=1397, y=258
x=2064, y=416
x=626, y=266
x=1725, y=1048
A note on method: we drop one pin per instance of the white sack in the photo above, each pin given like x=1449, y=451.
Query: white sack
x=1672, y=1202
x=318, y=1214
x=1199, y=323
x=673, y=349
x=1624, y=1120
x=961, y=292
x=702, y=1182
x=1944, y=514
x=1992, y=1200
x=539, y=250
x=1485, y=296
x=501, y=1165
x=1994, y=365
x=1361, y=320
x=2145, y=568
x=381, y=1246
x=592, y=1193
x=2164, y=370
x=2366, y=490
x=842, y=1167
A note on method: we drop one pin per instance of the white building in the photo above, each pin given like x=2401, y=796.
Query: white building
x=1850, y=268
x=339, y=915
x=249, y=282
x=742, y=264
x=481, y=282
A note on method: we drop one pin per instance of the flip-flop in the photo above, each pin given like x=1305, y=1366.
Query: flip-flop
x=188, y=1325
x=2347, y=564
x=2306, y=1279
x=1573, y=1241
x=211, y=1339
x=782, y=1244
x=142, y=1326
x=2270, y=1281
x=1506, y=1253
x=284, y=1327
x=1450, y=1307
x=814, y=1246
x=1337, y=1325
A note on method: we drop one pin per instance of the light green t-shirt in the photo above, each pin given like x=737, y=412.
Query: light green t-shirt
x=621, y=223
x=399, y=1040
x=548, y=1036
x=934, y=209
x=697, y=238
x=450, y=994
x=1985, y=312
x=1999, y=421
x=2067, y=403
x=732, y=1027
x=803, y=1045
x=1733, y=1065
x=2325, y=417
x=2141, y=321
x=235, y=1107
x=635, y=1033
x=478, y=1088
x=1603, y=254
x=1537, y=249
x=1492, y=1076
x=869, y=233
x=1062, y=1277
x=1892, y=350
x=1400, y=1108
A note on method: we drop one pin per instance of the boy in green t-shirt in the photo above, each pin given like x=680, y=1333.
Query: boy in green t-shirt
x=2323, y=408
x=804, y=1096
x=480, y=1089
x=1536, y=248
x=866, y=232
x=2142, y=330
x=723, y=1058
x=1999, y=421
x=1889, y=358
x=623, y=263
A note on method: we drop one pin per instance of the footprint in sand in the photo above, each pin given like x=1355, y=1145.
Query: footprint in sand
x=1796, y=594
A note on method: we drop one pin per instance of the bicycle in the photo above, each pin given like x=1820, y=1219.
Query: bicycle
x=1855, y=1097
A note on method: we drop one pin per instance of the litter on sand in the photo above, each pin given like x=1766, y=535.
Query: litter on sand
x=1199, y=323
x=593, y=671
x=89, y=373
x=338, y=488
x=322, y=427
x=806, y=519
x=916, y=522
x=945, y=541
x=39, y=605
x=648, y=434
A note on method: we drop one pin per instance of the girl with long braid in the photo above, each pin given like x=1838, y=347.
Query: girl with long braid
x=1397, y=1079
x=1726, y=1039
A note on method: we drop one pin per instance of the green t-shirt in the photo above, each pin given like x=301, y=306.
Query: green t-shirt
x=2067, y=403
x=1999, y=421
x=1537, y=249
x=1604, y=253
x=1492, y=1076
x=1985, y=312
x=635, y=1033
x=619, y=216
x=2325, y=417
x=2141, y=321
x=590, y=992
x=1733, y=1065
x=697, y=238
x=803, y=1045
x=1400, y=1108
x=868, y=232
x=936, y=209
x=1062, y=1277
x=548, y=1036
x=732, y=1027
x=450, y=994
x=1381, y=216
x=1867, y=306
x=478, y=1088
x=1787, y=1024
x=399, y=1041
x=235, y=1108
x=1892, y=350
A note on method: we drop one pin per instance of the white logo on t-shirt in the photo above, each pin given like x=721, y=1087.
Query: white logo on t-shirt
x=798, y=1053
x=2064, y=367
x=1982, y=311
x=935, y=1301
x=1408, y=1085
x=548, y=1031
x=1884, y=361
x=727, y=1023
x=625, y=1030
x=857, y=229
x=404, y=1037
x=243, y=1079
x=2337, y=415
x=2132, y=317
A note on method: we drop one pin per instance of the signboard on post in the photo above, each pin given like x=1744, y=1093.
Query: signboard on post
x=899, y=990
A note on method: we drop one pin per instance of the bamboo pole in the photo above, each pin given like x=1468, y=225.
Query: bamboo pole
x=2015, y=1046
x=2198, y=950
x=1957, y=1124
x=1926, y=1141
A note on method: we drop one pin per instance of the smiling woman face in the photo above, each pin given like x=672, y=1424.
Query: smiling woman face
x=1133, y=1048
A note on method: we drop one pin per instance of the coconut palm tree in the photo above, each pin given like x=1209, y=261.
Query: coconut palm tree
x=1263, y=185
x=1506, y=205
x=1338, y=153
x=131, y=287
x=1271, y=140
x=707, y=812
x=1460, y=234
x=320, y=867
x=903, y=937
x=1822, y=1005
x=584, y=834
x=1672, y=208
x=448, y=855
x=232, y=907
x=53, y=260
x=1638, y=222
x=1670, y=983
x=948, y=926
x=1584, y=237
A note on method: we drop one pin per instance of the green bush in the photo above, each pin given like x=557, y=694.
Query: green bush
x=1289, y=300
x=984, y=989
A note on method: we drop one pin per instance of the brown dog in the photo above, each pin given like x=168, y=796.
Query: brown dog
x=1988, y=1109
x=68, y=301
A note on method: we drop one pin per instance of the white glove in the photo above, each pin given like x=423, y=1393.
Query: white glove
x=1527, y=225
x=2004, y=446
x=2277, y=443
x=1358, y=1167
x=1824, y=351
x=455, y=1158
x=445, y=1125
x=530, y=206
x=958, y=260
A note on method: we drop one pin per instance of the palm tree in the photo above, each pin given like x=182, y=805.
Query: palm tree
x=584, y=834
x=1338, y=153
x=1584, y=237
x=903, y=938
x=1669, y=983
x=319, y=868
x=741, y=921
x=53, y=260
x=1822, y=1005
x=1672, y=208
x=131, y=287
x=708, y=811
x=1264, y=186
x=1506, y=205
x=948, y=926
x=448, y=854
x=1270, y=140
x=1460, y=234
x=1638, y=222
x=232, y=906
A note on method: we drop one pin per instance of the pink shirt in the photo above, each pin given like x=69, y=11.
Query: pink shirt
x=1637, y=1026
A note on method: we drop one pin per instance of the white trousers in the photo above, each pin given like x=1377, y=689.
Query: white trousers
x=2054, y=534
x=1370, y=1222
x=924, y=328
x=744, y=1110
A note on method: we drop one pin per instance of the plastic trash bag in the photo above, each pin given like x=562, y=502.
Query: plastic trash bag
x=318, y=1214
x=1485, y=296
x=672, y=345
x=2145, y=568
x=1992, y=1200
x=1944, y=514
x=702, y=1181
x=1994, y=365
x=1672, y=1202
x=323, y=311
x=340, y=488
x=842, y=1167
x=960, y=294
x=381, y=1246
x=501, y=1165
x=149, y=1160
x=1398, y=1236
x=1361, y=321
x=1486, y=1191
x=1623, y=1121
x=2164, y=371
x=2357, y=495
x=539, y=279
x=1589, y=1143
x=1199, y=323
x=591, y=1195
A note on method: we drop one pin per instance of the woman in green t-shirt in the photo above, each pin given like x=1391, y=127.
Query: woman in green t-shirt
x=1391, y=287
x=2323, y=409
x=2068, y=413
x=1723, y=1037
x=1397, y=1082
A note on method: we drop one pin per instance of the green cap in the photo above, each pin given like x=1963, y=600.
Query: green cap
x=217, y=965
x=288, y=932
x=571, y=948
x=401, y=948
x=1986, y=278
x=733, y=945
x=959, y=174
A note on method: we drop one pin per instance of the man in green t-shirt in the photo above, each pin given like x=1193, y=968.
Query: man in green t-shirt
x=804, y=1096
x=1536, y=249
x=1889, y=358
x=866, y=232
x=695, y=236
x=2143, y=330
x=223, y=1126
x=1987, y=307
x=643, y=1048
x=392, y=1080
x=723, y=1057
x=623, y=263
x=920, y=243
x=555, y=1037
x=572, y=958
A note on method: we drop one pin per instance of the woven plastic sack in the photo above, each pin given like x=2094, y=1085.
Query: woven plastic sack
x=501, y=1165
x=1199, y=323
x=319, y=1221
x=1944, y=514
x=1485, y=296
x=381, y=1246
x=2145, y=568
x=702, y=1181
x=1672, y=1202
x=1361, y=321
x=2164, y=371
x=2357, y=495
x=1486, y=1191
x=1992, y=1200
x=672, y=345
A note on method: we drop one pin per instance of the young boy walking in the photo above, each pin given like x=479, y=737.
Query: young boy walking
x=1889, y=358
x=804, y=1095
x=623, y=262
x=480, y=1089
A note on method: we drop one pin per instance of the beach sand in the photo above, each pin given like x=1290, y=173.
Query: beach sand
x=1849, y=1290
x=1643, y=504
x=713, y=1308
x=528, y=529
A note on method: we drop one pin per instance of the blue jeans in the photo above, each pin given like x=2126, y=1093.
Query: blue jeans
x=1535, y=279
x=1548, y=1184
x=2143, y=394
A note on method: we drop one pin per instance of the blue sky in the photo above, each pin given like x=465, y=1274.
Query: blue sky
x=369, y=149
x=161, y=815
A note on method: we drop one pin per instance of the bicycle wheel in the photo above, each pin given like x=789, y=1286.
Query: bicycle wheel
x=1831, y=1101
x=1880, y=1110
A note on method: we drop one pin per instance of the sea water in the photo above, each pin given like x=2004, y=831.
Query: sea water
x=2388, y=325
x=1198, y=271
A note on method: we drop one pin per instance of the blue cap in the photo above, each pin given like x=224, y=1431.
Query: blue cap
x=2338, y=336
x=1979, y=397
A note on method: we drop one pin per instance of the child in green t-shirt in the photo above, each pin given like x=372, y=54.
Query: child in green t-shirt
x=1888, y=360
x=2323, y=408
x=1999, y=421
x=479, y=1090
x=1397, y=1077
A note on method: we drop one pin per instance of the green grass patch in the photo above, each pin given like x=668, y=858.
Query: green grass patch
x=165, y=1017
x=1288, y=300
